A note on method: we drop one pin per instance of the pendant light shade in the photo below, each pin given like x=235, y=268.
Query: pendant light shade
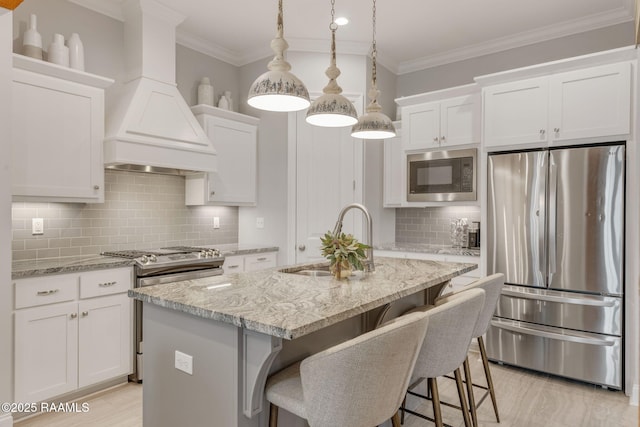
x=278, y=89
x=374, y=124
x=332, y=109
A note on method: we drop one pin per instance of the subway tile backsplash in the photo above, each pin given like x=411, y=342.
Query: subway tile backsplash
x=140, y=211
x=431, y=225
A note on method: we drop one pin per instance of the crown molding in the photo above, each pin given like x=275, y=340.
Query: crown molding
x=568, y=28
x=112, y=9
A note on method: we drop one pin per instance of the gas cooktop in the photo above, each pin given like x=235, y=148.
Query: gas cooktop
x=174, y=255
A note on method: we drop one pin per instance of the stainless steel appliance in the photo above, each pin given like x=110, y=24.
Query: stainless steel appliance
x=161, y=266
x=442, y=176
x=556, y=231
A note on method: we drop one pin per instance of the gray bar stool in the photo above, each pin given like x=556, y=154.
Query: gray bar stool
x=492, y=286
x=445, y=348
x=359, y=383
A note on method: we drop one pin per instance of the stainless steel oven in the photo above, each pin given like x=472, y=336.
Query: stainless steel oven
x=442, y=176
x=162, y=266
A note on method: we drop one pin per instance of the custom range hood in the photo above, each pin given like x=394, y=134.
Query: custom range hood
x=150, y=127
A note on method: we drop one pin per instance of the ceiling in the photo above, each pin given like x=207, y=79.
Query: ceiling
x=411, y=34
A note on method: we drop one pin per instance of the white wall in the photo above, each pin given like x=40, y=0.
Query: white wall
x=6, y=287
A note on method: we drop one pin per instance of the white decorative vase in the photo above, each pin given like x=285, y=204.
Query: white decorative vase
x=223, y=103
x=58, y=53
x=227, y=94
x=205, y=92
x=76, y=52
x=32, y=40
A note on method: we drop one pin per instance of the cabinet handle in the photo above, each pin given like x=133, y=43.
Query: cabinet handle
x=443, y=138
x=262, y=259
x=49, y=292
x=556, y=130
x=73, y=315
x=232, y=266
x=302, y=247
x=213, y=193
x=85, y=313
x=435, y=139
x=106, y=284
x=542, y=132
x=96, y=187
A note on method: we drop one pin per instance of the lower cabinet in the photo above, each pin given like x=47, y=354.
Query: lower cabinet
x=63, y=346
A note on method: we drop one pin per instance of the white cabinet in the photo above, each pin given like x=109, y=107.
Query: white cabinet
x=63, y=346
x=249, y=262
x=445, y=123
x=57, y=133
x=588, y=103
x=234, y=137
x=394, y=175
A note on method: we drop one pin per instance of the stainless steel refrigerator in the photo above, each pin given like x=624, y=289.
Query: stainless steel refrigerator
x=555, y=229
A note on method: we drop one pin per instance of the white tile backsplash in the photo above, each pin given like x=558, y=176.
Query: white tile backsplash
x=140, y=211
x=430, y=225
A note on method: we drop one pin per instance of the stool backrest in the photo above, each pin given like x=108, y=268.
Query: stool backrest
x=492, y=286
x=451, y=326
x=362, y=382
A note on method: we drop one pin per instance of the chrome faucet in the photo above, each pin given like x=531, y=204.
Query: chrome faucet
x=338, y=228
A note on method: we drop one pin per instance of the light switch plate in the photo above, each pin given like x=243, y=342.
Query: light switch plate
x=37, y=226
x=184, y=362
x=260, y=222
x=216, y=222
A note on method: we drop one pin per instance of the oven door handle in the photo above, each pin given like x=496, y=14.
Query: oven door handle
x=177, y=277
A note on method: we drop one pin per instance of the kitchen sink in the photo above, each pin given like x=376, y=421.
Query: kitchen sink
x=314, y=270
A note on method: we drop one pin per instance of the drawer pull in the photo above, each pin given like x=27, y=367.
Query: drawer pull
x=73, y=315
x=85, y=313
x=49, y=292
x=262, y=259
x=233, y=266
x=107, y=284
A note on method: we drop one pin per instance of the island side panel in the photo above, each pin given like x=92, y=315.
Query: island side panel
x=172, y=397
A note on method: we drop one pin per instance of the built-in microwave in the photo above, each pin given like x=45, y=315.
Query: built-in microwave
x=442, y=176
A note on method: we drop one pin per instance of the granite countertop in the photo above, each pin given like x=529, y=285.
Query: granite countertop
x=290, y=305
x=427, y=248
x=41, y=267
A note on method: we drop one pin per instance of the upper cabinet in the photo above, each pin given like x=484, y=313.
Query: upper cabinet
x=57, y=133
x=592, y=102
x=445, y=122
x=235, y=139
x=395, y=180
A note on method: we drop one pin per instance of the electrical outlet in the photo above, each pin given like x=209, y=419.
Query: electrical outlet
x=184, y=362
x=37, y=226
x=260, y=222
x=216, y=222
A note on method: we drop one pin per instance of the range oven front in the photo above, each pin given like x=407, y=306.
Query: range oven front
x=442, y=176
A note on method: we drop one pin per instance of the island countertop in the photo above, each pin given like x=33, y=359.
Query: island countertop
x=289, y=305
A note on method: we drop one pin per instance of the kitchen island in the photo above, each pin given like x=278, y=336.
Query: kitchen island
x=231, y=331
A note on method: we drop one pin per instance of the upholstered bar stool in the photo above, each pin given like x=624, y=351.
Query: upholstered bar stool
x=445, y=348
x=492, y=286
x=359, y=383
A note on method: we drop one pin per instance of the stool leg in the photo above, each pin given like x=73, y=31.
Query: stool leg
x=273, y=415
x=463, y=399
x=404, y=404
x=472, y=399
x=435, y=400
x=395, y=421
x=487, y=373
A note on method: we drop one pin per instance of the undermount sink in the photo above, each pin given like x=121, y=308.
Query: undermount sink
x=309, y=270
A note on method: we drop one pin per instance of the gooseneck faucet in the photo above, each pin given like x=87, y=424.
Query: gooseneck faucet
x=338, y=228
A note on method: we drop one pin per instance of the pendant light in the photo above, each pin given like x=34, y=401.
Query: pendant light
x=374, y=124
x=278, y=89
x=332, y=109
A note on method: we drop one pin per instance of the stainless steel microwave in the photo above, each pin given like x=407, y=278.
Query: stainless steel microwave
x=442, y=176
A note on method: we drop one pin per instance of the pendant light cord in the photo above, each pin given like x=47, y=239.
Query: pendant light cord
x=374, y=49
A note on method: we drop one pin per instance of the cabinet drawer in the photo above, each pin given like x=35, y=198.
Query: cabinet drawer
x=259, y=261
x=37, y=291
x=233, y=264
x=105, y=282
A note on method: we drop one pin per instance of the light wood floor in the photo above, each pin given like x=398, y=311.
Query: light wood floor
x=525, y=399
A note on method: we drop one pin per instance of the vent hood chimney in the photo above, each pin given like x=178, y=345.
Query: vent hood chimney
x=151, y=127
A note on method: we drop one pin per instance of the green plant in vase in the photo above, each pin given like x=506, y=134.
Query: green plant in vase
x=344, y=253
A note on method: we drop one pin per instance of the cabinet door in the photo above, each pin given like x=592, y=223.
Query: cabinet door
x=460, y=120
x=260, y=261
x=421, y=126
x=57, y=133
x=46, y=351
x=593, y=102
x=394, y=189
x=516, y=113
x=105, y=337
x=236, y=145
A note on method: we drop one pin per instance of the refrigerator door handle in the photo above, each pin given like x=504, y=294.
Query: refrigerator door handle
x=594, y=302
x=541, y=214
x=532, y=330
x=553, y=216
